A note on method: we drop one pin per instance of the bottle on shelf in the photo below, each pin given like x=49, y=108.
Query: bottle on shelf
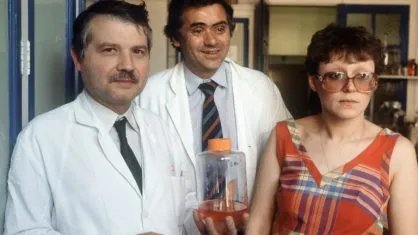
x=411, y=67
x=386, y=69
x=392, y=59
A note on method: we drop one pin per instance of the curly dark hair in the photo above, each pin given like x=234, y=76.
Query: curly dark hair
x=126, y=12
x=347, y=42
x=177, y=8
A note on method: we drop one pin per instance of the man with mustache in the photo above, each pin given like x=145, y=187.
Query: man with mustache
x=246, y=106
x=100, y=164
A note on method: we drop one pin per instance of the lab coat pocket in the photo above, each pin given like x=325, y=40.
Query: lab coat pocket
x=179, y=198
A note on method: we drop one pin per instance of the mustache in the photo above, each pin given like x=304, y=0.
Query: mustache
x=124, y=75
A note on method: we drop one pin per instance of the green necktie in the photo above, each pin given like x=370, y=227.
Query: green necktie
x=127, y=153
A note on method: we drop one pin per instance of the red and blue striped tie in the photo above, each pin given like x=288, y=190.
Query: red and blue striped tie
x=211, y=122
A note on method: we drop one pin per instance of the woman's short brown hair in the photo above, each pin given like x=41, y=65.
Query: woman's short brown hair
x=351, y=43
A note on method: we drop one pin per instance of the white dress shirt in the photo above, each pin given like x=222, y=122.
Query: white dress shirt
x=108, y=118
x=223, y=99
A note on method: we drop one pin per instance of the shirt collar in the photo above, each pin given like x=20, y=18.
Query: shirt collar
x=193, y=81
x=108, y=117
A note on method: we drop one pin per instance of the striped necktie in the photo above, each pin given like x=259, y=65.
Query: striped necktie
x=211, y=123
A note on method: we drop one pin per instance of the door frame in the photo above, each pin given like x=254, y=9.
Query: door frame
x=21, y=66
x=70, y=73
x=15, y=83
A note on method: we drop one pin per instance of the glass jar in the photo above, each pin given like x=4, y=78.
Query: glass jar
x=223, y=190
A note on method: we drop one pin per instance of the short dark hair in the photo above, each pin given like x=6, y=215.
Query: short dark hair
x=136, y=14
x=178, y=7
x=347, y=42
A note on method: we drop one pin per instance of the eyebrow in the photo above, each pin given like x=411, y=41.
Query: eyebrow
x=141, y=47
x=107, y=44
x=200, y=24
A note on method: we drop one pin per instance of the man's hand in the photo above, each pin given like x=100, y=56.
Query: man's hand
x=208, y=227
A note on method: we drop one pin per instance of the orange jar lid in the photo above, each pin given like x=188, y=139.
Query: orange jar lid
x=223, y=144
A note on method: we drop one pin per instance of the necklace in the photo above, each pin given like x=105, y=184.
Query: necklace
x=324, y=157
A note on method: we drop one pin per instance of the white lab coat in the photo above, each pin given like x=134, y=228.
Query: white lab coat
x=258, y=106
x=68, y=177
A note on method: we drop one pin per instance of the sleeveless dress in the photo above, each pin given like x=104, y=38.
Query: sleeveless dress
x=351, y=199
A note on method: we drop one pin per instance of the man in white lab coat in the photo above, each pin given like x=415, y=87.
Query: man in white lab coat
x=247, y=103
x=100, y=164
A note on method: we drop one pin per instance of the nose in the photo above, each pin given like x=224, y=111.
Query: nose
x=209, y=38
x=125, y=62
x=349, y=86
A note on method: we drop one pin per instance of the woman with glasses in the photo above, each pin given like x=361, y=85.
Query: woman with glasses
x=336, y=172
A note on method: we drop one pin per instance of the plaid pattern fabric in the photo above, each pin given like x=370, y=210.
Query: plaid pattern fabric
x=351, y=199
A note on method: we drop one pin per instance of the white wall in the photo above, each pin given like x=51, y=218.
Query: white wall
x=158, y=16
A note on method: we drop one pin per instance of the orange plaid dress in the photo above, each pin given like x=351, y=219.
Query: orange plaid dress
x=351, y=199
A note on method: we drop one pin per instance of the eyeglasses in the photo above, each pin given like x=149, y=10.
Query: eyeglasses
x=335, y=81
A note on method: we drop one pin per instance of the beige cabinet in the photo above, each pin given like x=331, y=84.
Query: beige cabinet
x=291, y=27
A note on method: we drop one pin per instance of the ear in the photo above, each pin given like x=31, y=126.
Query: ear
x=76, y=61
x=312, y=82
x=175, y=43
